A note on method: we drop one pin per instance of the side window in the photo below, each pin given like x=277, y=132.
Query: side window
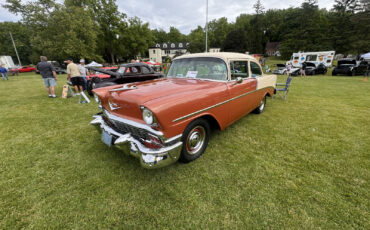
x=256, y=70
x=239, y=69
x=144, y=70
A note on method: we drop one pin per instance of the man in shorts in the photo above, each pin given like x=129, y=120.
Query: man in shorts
x=48, y=74
x=303, y=70
x=74, y=75
x=84, y=72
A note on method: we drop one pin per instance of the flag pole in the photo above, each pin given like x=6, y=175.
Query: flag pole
x=15, y=48
x=206, y=26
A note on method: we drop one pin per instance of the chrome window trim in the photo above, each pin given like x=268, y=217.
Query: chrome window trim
x=227, y=68
x=218, y=104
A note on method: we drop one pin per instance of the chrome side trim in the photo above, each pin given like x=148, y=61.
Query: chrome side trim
x=216, y=105
x=133, y=123
x=173, y=138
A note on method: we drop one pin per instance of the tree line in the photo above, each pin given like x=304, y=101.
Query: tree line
x=97, y=30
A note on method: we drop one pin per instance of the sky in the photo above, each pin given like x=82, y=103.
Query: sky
x=187, y=15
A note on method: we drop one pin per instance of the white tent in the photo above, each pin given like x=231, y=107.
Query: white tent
x=94, y=64
x=366, y=56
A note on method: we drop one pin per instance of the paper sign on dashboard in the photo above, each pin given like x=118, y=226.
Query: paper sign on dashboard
x=192, y=74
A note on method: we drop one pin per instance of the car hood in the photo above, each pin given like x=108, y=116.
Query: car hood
x=154, y=94
x=280, y=66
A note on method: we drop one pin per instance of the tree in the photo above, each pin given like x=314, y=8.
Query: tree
x=217, y=32
x=197, y=40
x=137, y=38
x=236, y=41
x=160, y=36
x=175, y=35
x=21, y=36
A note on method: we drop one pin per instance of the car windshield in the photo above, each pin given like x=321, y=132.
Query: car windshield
x=199, y=68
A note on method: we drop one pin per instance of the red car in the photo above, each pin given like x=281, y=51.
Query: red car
x=101, y=75
x=23, y=69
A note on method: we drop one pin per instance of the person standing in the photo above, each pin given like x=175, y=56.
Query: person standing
x=303, y=70
x=74, y=75
x=48, y=74
x=84, y=72
x=4, y=72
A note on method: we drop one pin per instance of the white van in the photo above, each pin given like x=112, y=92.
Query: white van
x=325, y=57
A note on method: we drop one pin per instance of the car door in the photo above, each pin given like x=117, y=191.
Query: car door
x=240, y=87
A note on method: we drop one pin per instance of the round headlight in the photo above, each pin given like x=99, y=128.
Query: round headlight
x=148, y=116
x=96, y=98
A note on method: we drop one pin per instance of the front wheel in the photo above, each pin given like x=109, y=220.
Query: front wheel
x=195, y=140
x=261, y=106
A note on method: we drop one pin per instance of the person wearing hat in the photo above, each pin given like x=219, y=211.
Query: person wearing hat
x=48, y=74
x=84, y=72
x=74, y=75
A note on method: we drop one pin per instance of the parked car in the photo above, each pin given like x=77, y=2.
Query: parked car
x=23, y=69
x=312, y=69
x=169, y=119
x=281, y=69
x=132, y=72
x=350, y=67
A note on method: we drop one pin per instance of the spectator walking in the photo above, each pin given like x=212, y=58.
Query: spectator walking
x=288, y=68
x=4, y=72
x=74, y=75
x=84, y=72
x=48, y=74
x=303, y=70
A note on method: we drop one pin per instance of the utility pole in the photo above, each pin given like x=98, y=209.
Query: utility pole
x=207, y=27
x=15, y=48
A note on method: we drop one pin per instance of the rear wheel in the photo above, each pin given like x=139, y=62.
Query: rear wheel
x=261, y=106
x=195, y=140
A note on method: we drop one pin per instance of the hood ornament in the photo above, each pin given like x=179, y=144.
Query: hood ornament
x=113, y=106
x=123, y=88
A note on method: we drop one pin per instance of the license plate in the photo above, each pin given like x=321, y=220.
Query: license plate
x=106, y=138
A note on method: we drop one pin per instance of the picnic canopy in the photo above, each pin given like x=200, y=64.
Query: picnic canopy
x=152, y=63
x=94, y=64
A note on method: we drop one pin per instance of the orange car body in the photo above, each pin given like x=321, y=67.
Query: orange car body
x=177, y=101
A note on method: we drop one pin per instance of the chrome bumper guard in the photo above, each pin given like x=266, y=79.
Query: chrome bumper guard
x=149, y=158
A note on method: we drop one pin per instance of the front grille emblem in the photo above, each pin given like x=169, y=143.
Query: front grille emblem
x=113, y=106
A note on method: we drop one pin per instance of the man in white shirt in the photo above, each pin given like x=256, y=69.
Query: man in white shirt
x=84, y=72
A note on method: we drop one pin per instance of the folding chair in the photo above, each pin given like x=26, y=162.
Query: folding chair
x=282, y=89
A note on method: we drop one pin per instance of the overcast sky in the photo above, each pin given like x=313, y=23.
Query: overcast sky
x=188, y=14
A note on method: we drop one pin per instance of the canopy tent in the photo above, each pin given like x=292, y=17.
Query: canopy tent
x=152, y=63
x=366, y=56
x=94, y=64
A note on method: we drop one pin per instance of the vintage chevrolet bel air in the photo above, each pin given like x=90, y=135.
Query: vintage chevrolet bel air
x=165, y=120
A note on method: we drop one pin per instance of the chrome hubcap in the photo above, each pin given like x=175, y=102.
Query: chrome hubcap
x=195, y=140
x=262, y=104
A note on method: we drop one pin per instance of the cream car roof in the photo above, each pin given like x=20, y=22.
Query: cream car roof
x=223, y=55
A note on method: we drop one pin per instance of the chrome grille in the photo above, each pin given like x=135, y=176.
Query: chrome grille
x=125, y=128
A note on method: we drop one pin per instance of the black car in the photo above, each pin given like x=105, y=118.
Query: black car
x=312, y=69
x=127, y=73
x=350, y=67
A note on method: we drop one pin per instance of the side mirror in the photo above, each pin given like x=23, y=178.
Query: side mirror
x=238, y=80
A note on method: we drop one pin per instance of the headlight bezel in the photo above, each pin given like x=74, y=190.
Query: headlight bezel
x=148, y=116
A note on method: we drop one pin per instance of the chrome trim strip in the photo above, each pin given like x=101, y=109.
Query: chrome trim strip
x=173, y=138
x=133, y=123
x=123, y=88
x=216, y=105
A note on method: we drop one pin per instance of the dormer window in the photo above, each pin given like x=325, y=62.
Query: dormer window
x=172, y=45
x=158, y=45
x=164, y=45
x=180, y=45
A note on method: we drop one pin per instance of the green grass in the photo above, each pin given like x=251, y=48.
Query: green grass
x=302, y=164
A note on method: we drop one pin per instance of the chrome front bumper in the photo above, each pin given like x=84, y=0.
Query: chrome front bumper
x=149, y=158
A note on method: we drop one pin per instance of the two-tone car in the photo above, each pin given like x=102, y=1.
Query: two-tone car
x=165, y=120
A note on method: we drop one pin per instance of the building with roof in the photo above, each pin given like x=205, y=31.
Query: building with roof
x=169, y=49
x=272, y=49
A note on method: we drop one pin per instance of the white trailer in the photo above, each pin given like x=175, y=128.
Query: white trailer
x=7, y=61
x=325, y=57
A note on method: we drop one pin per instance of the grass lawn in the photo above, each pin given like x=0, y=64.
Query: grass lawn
x=302, y=164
